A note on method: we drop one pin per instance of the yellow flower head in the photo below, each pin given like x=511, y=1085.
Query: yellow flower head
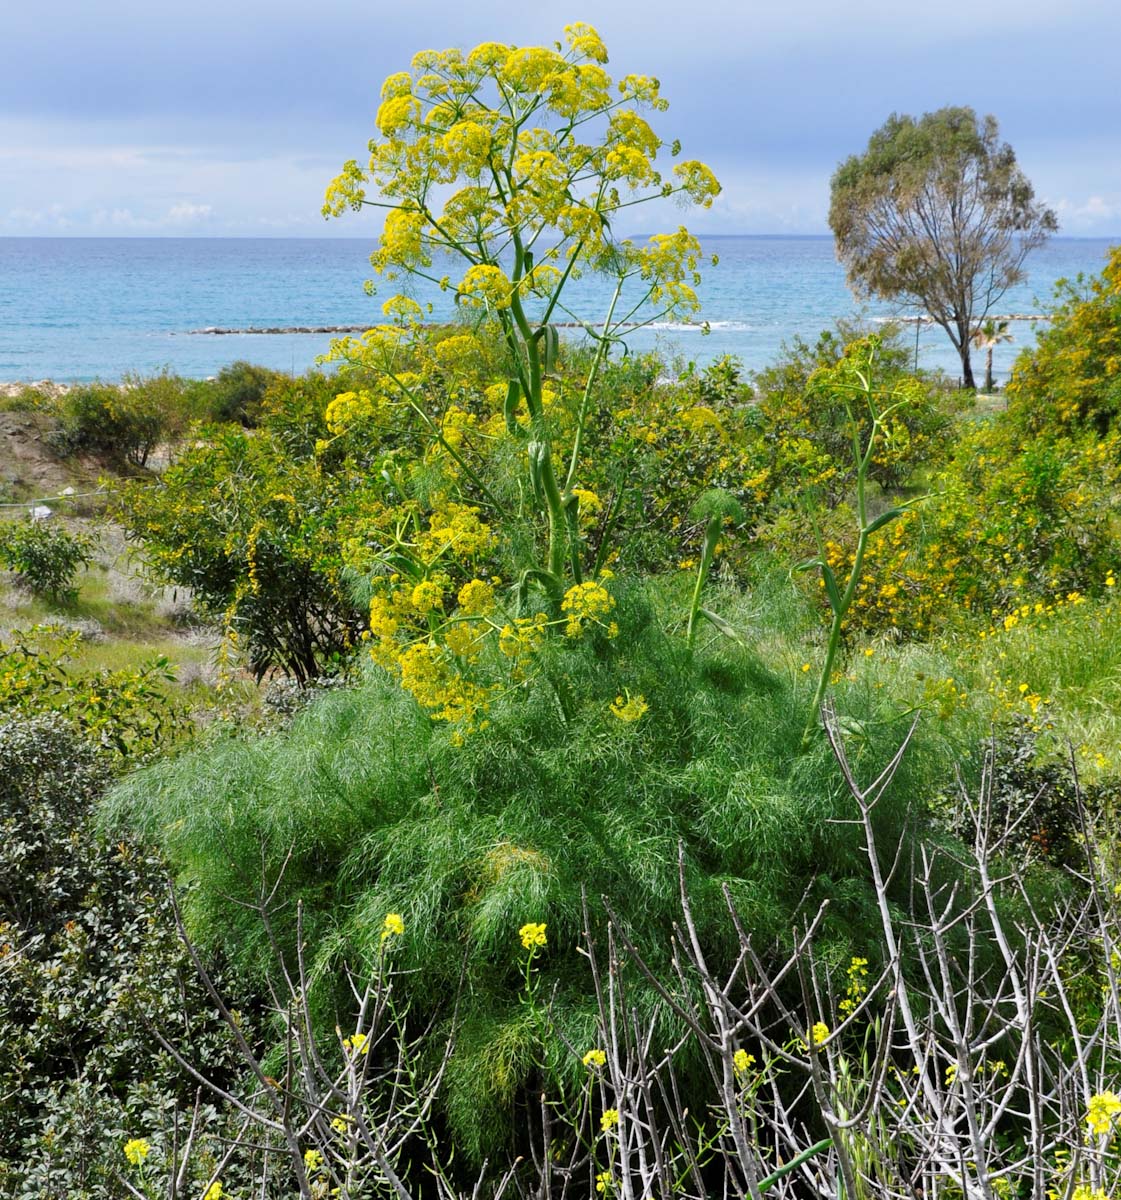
x=604, y=1182
x=394, y=926
x=630, y=709
x=427, y=595
x=357, y=1043
x=595, y=1058
x=403, y=309
x=584, y=40
x=532, y=935
x=819, y=1033
x=137, y=1150
x=476, y=598
x=313, y=1160
x=609, y=1119
x=742, y=1062
x=214, y=1192
x=584, y=602
x=1103, y=1112
x=486, y=285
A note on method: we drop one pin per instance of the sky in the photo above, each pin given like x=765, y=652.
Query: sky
x=229, y=117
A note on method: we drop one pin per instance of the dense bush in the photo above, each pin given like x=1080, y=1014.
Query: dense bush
x=46, y=557
x=258, y=535
x=235, y=394
x=90, y=961
x=806, y=432
x=1024, y=511
x=586, y=777
x=123, y=424
x=1071, y=379
x=128, y=712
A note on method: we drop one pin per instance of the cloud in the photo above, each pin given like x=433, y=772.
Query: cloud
x=180, y=214
x=1093, y=214
x=53, y=218
x=137, y=118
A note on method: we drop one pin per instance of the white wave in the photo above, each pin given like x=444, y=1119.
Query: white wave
x=699, y=326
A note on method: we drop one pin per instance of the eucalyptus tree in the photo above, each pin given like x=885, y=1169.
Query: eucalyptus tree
x=936, y=212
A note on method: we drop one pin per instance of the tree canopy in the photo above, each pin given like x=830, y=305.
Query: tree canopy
x=937, y=212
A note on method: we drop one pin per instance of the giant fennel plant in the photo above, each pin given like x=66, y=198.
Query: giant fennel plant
x=513, y=165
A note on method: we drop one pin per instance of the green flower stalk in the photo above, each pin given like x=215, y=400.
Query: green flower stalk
x=716, y=508
x=541, y=152
x=869, y=410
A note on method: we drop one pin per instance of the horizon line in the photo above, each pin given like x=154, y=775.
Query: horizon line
x=304, y=237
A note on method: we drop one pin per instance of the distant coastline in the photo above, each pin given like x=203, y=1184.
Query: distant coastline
x=78, y=309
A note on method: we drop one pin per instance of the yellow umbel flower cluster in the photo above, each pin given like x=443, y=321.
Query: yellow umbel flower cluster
x=586, y=604
x=436, y=686
x=630, y=708
x=857, y=987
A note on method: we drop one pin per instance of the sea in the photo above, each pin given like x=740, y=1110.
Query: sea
x=81, y=309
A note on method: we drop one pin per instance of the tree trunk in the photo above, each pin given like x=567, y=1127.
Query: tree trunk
x=989, y=370
x=967, y=380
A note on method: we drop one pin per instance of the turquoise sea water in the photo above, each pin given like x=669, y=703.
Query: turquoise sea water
x=86, y=308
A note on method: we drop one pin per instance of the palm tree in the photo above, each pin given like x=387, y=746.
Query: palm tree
x=987, y=335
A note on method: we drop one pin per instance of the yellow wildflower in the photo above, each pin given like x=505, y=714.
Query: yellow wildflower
x=486, y=285
x=137, y=1150
x=214, y=1192
x=476, y=598
x=609, y=1119
x=532, y=935
x=394, y=926
x=427, y=595
x=742, y=1062
x=585, y=602
x=357, y=1043
x=1102, y=1114
x=594, y=1058
x=313, y=1160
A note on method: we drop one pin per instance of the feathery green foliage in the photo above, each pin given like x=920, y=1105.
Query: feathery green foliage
x=364, y=807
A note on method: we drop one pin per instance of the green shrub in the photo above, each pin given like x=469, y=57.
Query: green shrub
x=364, y=806
x=1071, y=379
x=89, y=961
x=126, y=712
x=122, y=425
x=258, y=537
x=236, y=394
x=1024, y=510
x=46, y=557
x=795, y=416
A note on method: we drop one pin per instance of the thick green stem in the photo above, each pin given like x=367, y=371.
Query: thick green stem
x=712, y=535
x=794, y=1163
x=863, y=459
x=585, y=400
x=558, y=526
